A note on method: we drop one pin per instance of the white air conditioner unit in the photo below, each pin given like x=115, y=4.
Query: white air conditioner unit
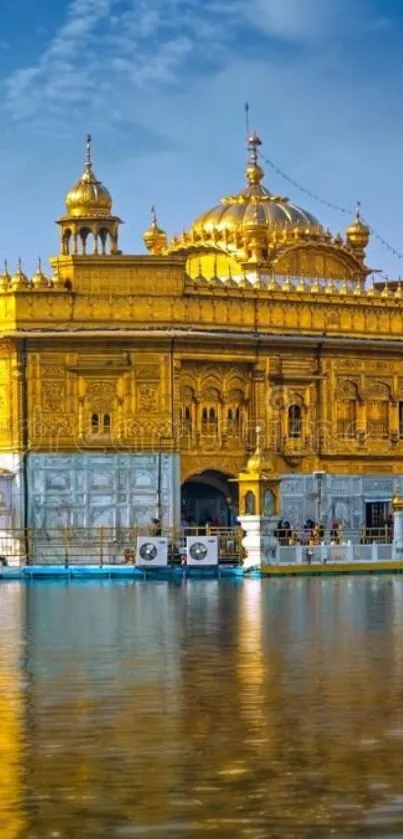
x=152, y=552
x=202, y=550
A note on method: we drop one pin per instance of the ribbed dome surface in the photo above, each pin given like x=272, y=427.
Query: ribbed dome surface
x=254, y=205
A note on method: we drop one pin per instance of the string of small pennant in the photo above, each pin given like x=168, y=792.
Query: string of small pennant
x=344, y=210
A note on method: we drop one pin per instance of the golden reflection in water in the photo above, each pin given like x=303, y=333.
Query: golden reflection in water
x=104, y=741
x=252, y=668
x=11, y=713
x=255, y=710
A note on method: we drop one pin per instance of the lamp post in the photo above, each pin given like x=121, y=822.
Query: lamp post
x=319, y=476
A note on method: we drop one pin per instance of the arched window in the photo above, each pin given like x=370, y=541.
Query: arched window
x=210, y=409
x=209, y=420
x=107, y=424
x=187, y=409
x=295, y=421
x=378, y=419
x=95, y=423
x=347, y=418
x=268, y=503
x=250, y=503
x=188, y=417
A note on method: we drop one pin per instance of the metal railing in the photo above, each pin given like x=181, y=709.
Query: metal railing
x=105, y=546
x=117, y=546
x=337, y=535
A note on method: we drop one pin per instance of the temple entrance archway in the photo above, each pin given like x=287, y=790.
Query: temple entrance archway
x=209, y=498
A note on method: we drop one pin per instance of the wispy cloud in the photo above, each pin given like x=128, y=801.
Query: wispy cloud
x=294, y=19
x=105, y=46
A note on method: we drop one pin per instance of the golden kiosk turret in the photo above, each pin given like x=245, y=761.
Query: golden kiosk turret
x=259, y=505
x=89, y=219
x=259, y=486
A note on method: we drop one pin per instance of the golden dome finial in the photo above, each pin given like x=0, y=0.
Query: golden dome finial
x=155, y=239
x=57, y=281
x=357, y=235
x=88, y=160
x=397, y=501
x=39, y=279
x=254, y=143
x=254, y=172
x=254, y=463
x=5, y=278
x=19, y=280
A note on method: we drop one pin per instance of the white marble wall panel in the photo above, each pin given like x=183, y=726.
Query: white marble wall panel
x=11, y=491
x=343, y=497
x=90, y=490
x=93, y=490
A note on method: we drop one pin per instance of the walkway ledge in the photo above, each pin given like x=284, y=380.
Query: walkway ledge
x=178, y=573
x=316, y=569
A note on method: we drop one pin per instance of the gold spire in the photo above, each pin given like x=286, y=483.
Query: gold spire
x=88, y=161
x=88, y=198
x=39, y=279
x=5, y=278
x=57, y=279
x=357, y=235
x=254, y=463
x=155, y=239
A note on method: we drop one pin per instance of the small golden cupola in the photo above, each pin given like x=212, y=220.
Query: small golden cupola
x=19, y=280
x=89, y=216
x=39, y=279
x=155, y=239
x=358, y=233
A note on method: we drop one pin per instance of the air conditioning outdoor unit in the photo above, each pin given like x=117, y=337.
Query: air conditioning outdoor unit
x=152, y=552
x=202, y=550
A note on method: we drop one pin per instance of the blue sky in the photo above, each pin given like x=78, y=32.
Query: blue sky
x=161, y=85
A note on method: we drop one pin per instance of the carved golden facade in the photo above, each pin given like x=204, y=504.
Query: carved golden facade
x=256, y=316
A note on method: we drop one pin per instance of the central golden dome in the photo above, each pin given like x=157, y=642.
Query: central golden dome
x=254, y=206
x=255, y=235
x=88, y=198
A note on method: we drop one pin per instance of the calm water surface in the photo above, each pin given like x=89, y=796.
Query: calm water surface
x=251, y=710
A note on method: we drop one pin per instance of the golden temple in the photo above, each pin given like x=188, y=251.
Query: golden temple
x=135, y=383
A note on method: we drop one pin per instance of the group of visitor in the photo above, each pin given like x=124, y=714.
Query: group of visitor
x=311, y=534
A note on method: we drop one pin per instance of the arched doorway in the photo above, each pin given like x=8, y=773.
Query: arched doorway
x=209, y=498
